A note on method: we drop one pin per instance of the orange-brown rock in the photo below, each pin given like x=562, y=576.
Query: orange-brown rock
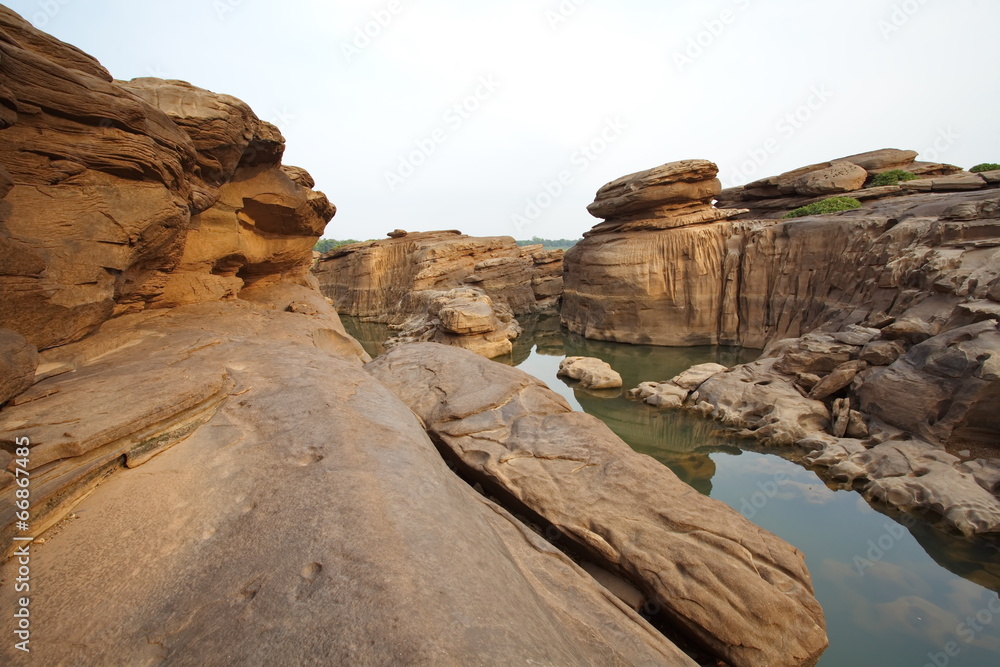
x=123, y=196
x=388, y=280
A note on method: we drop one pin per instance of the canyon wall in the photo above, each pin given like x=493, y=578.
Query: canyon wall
x=214, y=475
x=394, y=279
x=749, y=282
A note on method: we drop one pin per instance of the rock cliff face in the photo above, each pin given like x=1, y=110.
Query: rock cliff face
x=749, y=282
x=393, y=280
x=124, y=196
x=197, y=414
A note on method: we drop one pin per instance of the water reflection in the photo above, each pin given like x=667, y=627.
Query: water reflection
x=895, y=590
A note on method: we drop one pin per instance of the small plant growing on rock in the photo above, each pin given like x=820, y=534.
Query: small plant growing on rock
x=892, y=177
x=831, y=205
x=986, y=166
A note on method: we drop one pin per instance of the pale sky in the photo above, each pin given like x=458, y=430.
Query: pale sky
x=506, y=117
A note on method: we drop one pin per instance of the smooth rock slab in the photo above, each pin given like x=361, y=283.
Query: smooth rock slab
x=739, y=590
x=310, y=521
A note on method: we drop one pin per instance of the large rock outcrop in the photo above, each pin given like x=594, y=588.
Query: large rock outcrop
x=772, y=197
x=123, y=196
x=205, y=448
x=740, y=591
x=394, y=279
x=307, y=513
x=750, y=282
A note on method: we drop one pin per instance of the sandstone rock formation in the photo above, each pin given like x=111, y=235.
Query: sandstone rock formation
x=774, y=196
x=917, y=431
x=389, y=281
x=214, y=476
x=744, y=594
x=18, y=360
x=750, y=282
x=591, y=373
x=297, y=500
x=132, y=195
x=464, y=317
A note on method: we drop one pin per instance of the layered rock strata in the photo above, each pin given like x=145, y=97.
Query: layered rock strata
x=123, y=196
x=200, y=426
x=772, y=197
x=742, y=592
x=749, y=282
x=393, y=280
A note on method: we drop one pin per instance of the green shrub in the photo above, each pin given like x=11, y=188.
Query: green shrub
x=831, y=205
x=986, y=166
x=892, y=177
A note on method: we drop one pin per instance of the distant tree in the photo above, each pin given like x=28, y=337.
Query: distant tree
x=326, y=245
x=550, y=244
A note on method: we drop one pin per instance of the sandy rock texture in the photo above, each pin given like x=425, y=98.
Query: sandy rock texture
x=742, y=592
x=394, y=279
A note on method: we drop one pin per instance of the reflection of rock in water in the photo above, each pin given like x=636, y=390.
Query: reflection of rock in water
x=673, y=437
x=371, y=335
x=975, y=560
x=648, y=363
x=542, y=333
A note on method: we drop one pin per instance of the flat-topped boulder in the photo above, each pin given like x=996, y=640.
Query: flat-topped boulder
x=676, y=194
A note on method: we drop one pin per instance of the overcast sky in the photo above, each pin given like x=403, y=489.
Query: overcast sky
x=506, y=117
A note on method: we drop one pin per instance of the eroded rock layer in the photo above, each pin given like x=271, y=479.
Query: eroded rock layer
x=119, y=196
x=390, y=280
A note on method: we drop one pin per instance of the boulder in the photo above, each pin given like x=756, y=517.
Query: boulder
x=838, y=178
x=591, y=373
x=946, y=389
x=466, y=318
x=18, y=361
x=741, y=592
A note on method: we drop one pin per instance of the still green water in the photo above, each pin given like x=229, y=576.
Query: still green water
x=896, y=591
